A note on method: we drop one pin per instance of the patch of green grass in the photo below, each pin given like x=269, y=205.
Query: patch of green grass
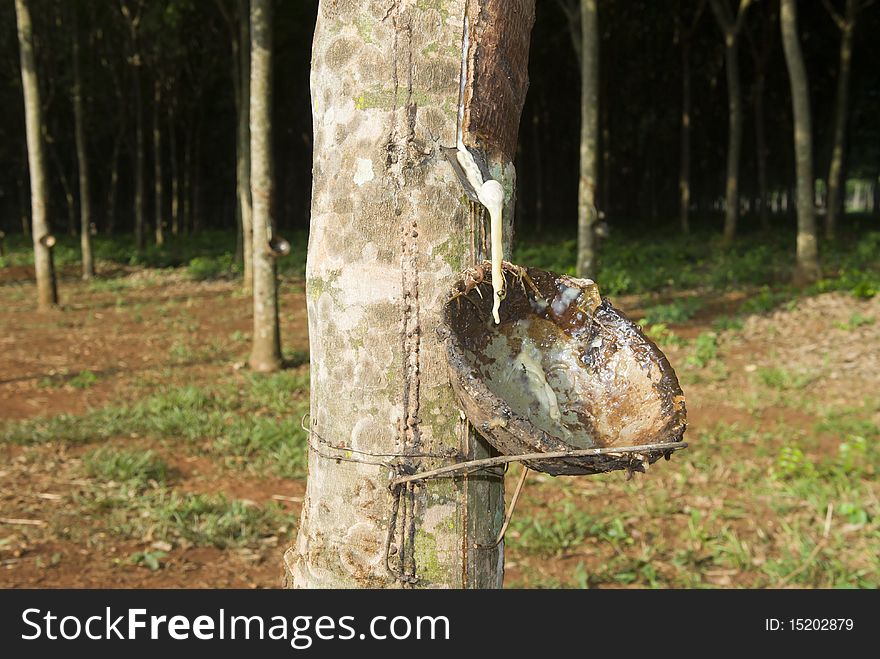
x=663, y=336
x=727, y=323
x=255, y=423
x=83, y=380
x=704, y=350
x=676, y=312
x=564, y=530
x=782, y=379
x=856, y=320
x=199, y=519
x=201, y=268
x=137, y=468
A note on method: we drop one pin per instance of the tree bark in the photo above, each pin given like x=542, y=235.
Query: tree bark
x=761, y=50
x=807, y=243
x=113, y=184
x=266, y=349
x=587, y=211
x=47, y=294
x=835, y=170
x=243, y=152
x=85, y=206
x=734, y=141
x=389, y=233
x=139, y=228
x=684, y=173
x=730, y=28
x=159, y=210
x=175, y=172
x=186, y=220
x=761, y=150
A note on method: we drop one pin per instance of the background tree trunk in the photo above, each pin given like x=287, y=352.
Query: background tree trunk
x=734, y=139
x=835, y=170
x=139, y=228
x=85, y=206
x=243, y=152
x=761, y=151
x=175, y=172
x=587, y=211
x=807, y=244
x=266, y=349
x=389, y=232
x=684, y=172
x=730, y=26
x=113, y=183
x=685, y=30
x=159, y=210
x=47, y=294
x=761, y=50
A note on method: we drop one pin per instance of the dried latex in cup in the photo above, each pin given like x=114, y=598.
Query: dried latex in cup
x=564, y=370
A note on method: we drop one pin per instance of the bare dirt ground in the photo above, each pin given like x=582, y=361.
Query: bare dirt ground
x=777, y=489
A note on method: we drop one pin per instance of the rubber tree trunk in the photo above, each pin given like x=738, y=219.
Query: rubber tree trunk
x=85, y=206
x=731, y=26
x=175, y=173
x=684, y=172
x=266, y=349
x=734, y=138
x=47, y=294
x=835, y=170
x=159, y=210
x=390, y=230
x=761, y=150
x=113, y=183
x=139, y=228
x=807, y=244
x=587, y=211
x=243, y=151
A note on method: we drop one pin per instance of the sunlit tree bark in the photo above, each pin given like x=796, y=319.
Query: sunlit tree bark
x=47, y=294
x=807, y=244
x=266, y=349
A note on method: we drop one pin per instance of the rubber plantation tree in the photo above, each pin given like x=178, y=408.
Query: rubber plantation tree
x=807, y=243
x=587, y=212
x=731, y=24
x=687, y=20
x=583, y=22
x=47, y=294
x=761, y=42
x=82, y=158
x=846, y=22
x=236, y=16
x=390, y=230
x=266, y=349
x=132, y=13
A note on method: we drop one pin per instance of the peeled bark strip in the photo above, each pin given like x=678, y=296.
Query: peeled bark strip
x=807, y=243
x=587, y=212
x=389, y=233
x=266, y=349
x=47, y=294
